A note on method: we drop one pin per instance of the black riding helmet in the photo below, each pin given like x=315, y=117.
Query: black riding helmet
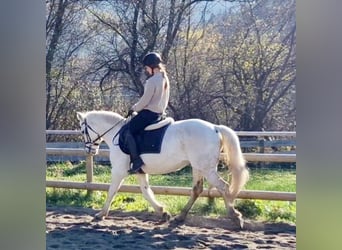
x=152, y=60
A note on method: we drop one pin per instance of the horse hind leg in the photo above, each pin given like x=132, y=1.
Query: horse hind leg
x=149, y=196
x=197, y=189
x=223, y=187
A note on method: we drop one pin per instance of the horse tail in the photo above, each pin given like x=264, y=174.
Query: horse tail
x=234, y=159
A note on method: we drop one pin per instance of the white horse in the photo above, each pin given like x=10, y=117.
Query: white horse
x=187, y=142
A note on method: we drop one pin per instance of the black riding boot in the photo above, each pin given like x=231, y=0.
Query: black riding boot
x=136, y=160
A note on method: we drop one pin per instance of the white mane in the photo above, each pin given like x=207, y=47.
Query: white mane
x=105, y=115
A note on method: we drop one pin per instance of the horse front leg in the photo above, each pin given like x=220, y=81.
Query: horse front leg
x=197, y=189
x=149, y=196
x=116, y=181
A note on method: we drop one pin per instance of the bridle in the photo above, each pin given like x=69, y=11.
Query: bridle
x=96, y=142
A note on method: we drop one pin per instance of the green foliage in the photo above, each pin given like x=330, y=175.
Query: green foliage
x=268, y=210
x=279, y=211
x=269, y=180
x=249, y=208
x=261, y=179
x=69, y=197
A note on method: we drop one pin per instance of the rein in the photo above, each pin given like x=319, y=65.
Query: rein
x=98, y=135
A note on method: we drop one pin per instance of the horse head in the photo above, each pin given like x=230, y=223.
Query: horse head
x=97, y=126
x=92, y=138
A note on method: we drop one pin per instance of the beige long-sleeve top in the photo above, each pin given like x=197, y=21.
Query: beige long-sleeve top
x=156, y=94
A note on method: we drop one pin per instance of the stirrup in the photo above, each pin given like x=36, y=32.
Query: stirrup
x=136, y=169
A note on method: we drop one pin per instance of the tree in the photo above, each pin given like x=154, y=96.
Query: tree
x=65, y=38
x=258, y=63
x=137, y=28
x=236, y=68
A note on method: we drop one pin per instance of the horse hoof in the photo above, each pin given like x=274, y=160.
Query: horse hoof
x=236, y=222
x=166, y=216
x=99, y=216
x=236, y=218
x=240, y=222
x=180, y=218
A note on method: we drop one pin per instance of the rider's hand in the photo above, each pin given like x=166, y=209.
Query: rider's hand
x=130, y=112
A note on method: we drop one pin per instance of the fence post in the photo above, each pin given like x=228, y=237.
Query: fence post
x=89, y=168
x=262, y=146
x=261, y=151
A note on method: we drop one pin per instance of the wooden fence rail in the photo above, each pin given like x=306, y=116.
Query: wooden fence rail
x=183, y=191
x=245, y=194
x=248, y=156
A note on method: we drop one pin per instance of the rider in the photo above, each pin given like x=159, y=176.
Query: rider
x=151, y=105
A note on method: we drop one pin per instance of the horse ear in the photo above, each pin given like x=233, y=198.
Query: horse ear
x=80, y=116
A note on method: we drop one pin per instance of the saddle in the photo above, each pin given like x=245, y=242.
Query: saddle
x=149, y=140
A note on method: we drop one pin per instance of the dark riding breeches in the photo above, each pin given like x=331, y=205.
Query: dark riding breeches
x=142, y=120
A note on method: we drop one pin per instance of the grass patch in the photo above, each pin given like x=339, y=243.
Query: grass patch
x=260, y=179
